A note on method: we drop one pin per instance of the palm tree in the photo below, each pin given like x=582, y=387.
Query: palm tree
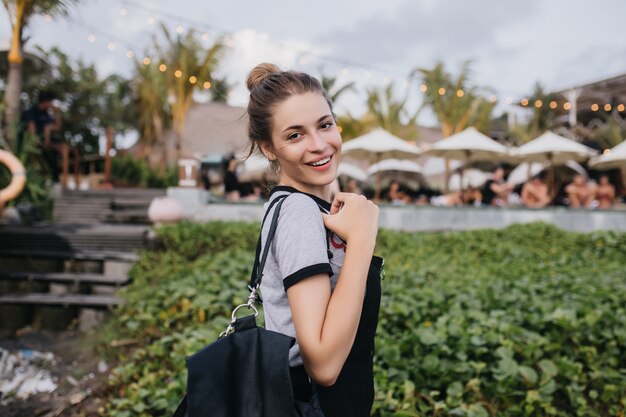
x=189, y=66
x=391, y=113
x=542, y=116
x=334, y=92
x=455, y=104
x=152, y=108
x=20, y=13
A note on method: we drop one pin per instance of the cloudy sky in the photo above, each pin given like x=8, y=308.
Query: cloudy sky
x=512, y=44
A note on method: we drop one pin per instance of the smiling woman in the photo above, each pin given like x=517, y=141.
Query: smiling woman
x=326, y=295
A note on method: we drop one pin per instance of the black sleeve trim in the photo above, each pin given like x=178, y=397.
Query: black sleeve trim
x=306, y=272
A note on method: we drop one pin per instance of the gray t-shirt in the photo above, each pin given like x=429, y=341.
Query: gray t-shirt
x=300, y=249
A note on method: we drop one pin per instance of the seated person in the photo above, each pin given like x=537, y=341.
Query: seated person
x=535, y=193
x=448, y=200
x=580, y=193
x=232, y=188
x=397, y=195
x=496, y=191
x=352, y=186
x=43, y=120
x=472, y=196
x=605, y=193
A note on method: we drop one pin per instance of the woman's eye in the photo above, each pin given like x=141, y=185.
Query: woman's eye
x=293, y=136
x=326, y=125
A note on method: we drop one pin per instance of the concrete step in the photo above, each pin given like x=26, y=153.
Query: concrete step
x=69, y=254
x=64, y=277
x=83, y=300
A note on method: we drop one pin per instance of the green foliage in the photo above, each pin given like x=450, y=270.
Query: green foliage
x=38, y=176
x=453, y=110
x=525, y=321
x=129, y=171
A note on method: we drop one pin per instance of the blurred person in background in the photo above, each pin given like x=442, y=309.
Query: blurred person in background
x=580, y=193
x=535, y=193
x=496, y=190
x=605, y=193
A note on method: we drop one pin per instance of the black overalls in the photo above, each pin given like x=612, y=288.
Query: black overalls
x=352, y=395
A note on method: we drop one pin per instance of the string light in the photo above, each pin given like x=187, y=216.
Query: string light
x=594, y=107
x=130, y=54
x=607, y=152
x=493, y=98
x=567, y=105
x=91, y=37
x=538, y=104
x=460, y=93
x=509, y=100
x=47, y=18
x=553, y=104
x=607, y=107
x=620, y=108
x=192, y=79
x=206, y=85
x=178, y=73
x=151, y=20
x=111, y=46
x=146, y=61
x=162, y=67
x=423, y=88
x=205, y=36
x=123, y=12
x=442, y=91
x=180, y=29
x=524, y=102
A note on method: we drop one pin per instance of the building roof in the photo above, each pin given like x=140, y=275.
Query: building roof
x=608, y=91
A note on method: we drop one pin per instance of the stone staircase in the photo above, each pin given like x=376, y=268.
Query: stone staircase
x=53, y=274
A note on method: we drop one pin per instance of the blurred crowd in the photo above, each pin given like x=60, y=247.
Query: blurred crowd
x=539, y=191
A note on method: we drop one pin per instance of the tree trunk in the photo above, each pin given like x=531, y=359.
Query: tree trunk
x=14, y=78
x=12, y=102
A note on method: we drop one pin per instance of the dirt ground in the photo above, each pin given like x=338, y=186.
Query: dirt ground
x=78, y=370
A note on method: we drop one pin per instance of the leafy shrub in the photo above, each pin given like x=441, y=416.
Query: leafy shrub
x=525, y=321
x=130, y=171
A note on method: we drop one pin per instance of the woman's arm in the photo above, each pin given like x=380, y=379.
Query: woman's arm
x=326, y=324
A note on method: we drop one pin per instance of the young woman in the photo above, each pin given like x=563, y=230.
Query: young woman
x=321, y=283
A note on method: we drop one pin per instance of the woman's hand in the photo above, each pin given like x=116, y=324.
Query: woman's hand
x=353, y=218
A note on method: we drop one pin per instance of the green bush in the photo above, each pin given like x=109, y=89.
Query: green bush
x=525, y=321
x=129, y=171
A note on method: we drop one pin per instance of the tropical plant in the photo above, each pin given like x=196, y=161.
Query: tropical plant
x=455, y=103
x=391, y=113
x=154, y=113
x=541, y=119
x=333, y=90
x=188, y=66
x=20, y=13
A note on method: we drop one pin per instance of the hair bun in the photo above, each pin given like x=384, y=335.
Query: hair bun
x=260, y=73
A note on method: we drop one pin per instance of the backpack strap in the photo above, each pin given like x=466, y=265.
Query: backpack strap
x=259, y=260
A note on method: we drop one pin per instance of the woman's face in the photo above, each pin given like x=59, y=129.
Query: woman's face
x=306, y=143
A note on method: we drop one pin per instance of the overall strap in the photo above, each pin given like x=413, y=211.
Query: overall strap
x=259, y=260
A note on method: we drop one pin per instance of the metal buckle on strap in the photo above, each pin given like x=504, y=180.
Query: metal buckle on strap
x=252, y=299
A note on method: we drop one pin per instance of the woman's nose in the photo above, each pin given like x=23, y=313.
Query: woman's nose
x=316, y=142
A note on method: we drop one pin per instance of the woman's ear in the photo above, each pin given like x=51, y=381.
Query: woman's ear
x=266, y=148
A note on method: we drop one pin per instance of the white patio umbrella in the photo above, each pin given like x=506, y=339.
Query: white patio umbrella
x=470, y=146
x=526, y=170
x=379, y=145
x=407, y=172
x=553, y=149
x=352, y=171
x=614, y=158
